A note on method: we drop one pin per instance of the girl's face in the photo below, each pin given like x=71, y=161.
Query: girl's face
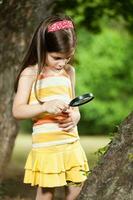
x=57, y=61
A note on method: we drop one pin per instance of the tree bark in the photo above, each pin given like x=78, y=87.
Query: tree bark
x=18, y=21
x=112, y=178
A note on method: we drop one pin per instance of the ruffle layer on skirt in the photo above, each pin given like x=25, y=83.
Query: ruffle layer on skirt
x=56, y=166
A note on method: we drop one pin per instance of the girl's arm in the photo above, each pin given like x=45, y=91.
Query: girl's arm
x=20, y=109
x=71, y=71
x=73, y=113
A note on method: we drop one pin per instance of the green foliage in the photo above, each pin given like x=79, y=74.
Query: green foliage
x=90, y=12
x=26, y=126
x=104, y=67
x=102, y=151
x=130, y=157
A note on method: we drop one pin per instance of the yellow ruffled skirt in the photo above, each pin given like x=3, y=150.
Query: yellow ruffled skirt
x=56, y=165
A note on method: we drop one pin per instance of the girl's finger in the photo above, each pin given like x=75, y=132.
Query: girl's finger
x=67, y=110
x=66, y=125
x=68, y=128
x=64, y=121
x=57, y=110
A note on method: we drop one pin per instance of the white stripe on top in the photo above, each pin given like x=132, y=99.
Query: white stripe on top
x=48, y=127
x=62, y=97
x=52, y=81
x=45, y=128
x=53, y=143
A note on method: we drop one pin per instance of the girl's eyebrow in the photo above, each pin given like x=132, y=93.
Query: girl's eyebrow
x=56, y=56
x=63, y=55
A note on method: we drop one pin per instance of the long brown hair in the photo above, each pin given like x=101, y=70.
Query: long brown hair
x=43, y=41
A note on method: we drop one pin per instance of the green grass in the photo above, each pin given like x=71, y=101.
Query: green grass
x=91, y=144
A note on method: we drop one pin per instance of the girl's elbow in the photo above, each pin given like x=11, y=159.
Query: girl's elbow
x=16, y=114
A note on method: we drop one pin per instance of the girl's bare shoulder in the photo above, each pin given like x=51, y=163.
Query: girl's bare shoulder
x=25, y=83
x=30, y=72
x=70, y=69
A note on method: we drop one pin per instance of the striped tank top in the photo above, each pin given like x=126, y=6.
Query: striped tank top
x=46, y=130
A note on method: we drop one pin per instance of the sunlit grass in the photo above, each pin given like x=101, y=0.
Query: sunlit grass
x=91, y=144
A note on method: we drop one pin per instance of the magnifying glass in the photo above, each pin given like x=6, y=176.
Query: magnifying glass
x=82, y=99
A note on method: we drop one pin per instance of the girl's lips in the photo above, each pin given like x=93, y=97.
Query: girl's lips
x=56, y=68
x=59, y=67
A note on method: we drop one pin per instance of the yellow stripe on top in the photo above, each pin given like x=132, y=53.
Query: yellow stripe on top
x=51, y=136
x=46, y=130
x=49, y=91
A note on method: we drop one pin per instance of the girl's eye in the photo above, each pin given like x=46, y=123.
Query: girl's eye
x=57, y=58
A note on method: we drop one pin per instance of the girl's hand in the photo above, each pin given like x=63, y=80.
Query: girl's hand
x=71, y=121
x=54, y=106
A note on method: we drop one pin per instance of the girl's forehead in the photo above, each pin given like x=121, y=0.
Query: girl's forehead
x=70, y=53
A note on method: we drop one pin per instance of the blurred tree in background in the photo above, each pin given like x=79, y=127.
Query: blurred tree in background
x=89, y=13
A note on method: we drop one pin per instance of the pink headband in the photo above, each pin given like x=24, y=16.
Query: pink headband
x=60, y=25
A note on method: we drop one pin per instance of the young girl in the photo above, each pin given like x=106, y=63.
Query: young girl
x=44, y=88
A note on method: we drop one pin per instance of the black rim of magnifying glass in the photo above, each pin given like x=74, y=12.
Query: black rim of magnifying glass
x=81, y=97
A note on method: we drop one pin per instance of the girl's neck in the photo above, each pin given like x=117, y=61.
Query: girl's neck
x=52, y=71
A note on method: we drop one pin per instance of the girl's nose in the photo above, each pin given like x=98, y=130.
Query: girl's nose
x=63, y=62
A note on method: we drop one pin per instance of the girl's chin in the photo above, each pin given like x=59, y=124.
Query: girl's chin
x=58, y=68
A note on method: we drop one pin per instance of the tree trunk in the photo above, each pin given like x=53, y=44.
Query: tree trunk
x=18, y=21
x=112, y=178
